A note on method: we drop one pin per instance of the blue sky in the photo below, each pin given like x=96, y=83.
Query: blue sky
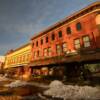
x=21, y=19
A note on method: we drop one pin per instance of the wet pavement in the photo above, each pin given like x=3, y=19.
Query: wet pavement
x=20, y=93
x=27, y=92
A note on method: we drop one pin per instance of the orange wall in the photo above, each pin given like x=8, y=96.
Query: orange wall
x=88, y=28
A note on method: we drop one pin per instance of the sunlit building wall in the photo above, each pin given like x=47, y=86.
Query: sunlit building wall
x=18, y=57
x=2, y=60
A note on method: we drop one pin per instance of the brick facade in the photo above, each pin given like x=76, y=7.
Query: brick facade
x=83, y=28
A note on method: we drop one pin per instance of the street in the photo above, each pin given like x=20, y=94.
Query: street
x=11, y=89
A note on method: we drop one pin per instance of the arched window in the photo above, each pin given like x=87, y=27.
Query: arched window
x=60, y=33
x=46, y=39
x=68, y=30
x=78, y=26
x=33, y=45
x=37, y=43
x=38, y=53
x=41, y=41
x=53, y=37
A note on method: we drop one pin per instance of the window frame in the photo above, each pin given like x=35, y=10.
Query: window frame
x=41, y=41
x=45, y=52
x=38, y=53
x=49, y=51
x=58, y=50
x=60, y=34
x=37, y=43
x=64, y=48
x=46, y=39
x=35, y=54
x=86, y=41
x=78, y=26
x=77, y=45
x=32, y=45
x=53, y=37
x=68, y=30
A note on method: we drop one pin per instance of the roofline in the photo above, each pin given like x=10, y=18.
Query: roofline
x=59, y=23
x=17, y=49
x=22, y=46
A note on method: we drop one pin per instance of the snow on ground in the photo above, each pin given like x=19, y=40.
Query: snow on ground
x=3, y=78
x=17, y=83
x=58, y=89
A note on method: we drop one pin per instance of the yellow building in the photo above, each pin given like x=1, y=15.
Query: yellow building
x=2, y=60
x=18, y=59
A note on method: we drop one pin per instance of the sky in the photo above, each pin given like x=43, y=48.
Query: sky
x=22, y=19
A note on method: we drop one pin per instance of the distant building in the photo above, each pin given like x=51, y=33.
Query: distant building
x=2, y=60
x=18, y=59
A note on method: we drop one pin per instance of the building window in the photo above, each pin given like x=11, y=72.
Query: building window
x=53, y=37
x=46, y=39
x=41, y=41
x=64, y=48
x=78, y=26
x=33, y=45
x=60, y=33
x=37, y=43
x=14, y=60
x=35, y=54
x=68, y=30
x=58, y=49
x=86, y=41
x=25, y=57
x=49, y=51
x=98, y=19
x=38, y=53
x=45, y=52
x=77, y=43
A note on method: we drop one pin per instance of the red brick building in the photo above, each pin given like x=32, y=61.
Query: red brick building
x=72, y=41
